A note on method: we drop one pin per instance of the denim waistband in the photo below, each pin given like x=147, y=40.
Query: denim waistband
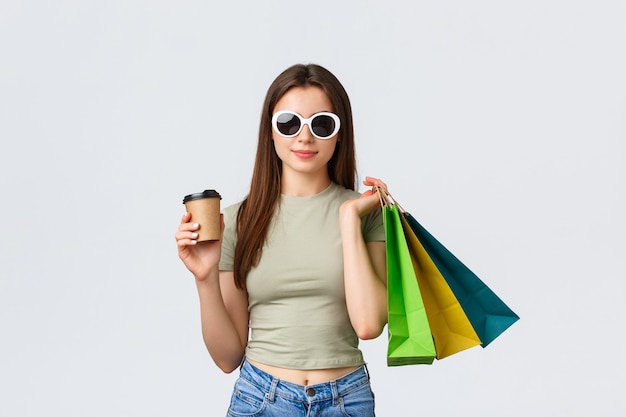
x=306, y=393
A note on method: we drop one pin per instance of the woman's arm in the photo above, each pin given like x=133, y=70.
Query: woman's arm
x=223, y=307
x=224, y=318
x=364, y=267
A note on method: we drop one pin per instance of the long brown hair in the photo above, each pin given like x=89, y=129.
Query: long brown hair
x=256, y=211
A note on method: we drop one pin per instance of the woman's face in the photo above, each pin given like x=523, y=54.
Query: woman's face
x=304, y=154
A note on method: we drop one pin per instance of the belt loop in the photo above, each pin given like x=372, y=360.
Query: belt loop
x=333, y=388
x=272, y=392
x=367, y=371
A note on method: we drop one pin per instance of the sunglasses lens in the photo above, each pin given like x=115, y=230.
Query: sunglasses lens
x=323, y=125
x=288, y=124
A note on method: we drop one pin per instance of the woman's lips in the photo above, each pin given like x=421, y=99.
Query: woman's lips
x=303, y=154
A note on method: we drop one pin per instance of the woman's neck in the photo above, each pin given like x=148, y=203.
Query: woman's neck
x=303, y=185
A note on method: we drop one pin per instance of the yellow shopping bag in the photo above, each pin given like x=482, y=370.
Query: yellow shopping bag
x=450, y=327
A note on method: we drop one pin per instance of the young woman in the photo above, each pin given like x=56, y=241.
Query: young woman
x=299, y=275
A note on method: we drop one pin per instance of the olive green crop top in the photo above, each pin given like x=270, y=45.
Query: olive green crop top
x=296, y=296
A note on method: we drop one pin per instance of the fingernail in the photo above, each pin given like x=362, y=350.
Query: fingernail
x=196, y=225
x=194, y=235
x=193, y=242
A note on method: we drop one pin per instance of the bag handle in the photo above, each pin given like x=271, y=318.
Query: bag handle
x=386, y=200
x=382, y=195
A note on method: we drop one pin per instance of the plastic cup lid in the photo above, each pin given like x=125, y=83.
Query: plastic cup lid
x=204, y=194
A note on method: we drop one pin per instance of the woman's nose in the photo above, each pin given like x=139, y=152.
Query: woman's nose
x=305, y=134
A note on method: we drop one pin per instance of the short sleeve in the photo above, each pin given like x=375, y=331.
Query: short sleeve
x=373, y=228
x=230, y=237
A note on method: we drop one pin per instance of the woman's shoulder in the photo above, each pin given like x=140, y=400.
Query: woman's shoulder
x=230, y=212
x=232, y=208
x=342, y=193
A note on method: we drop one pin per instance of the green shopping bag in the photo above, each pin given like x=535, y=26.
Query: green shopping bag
x=410, y=339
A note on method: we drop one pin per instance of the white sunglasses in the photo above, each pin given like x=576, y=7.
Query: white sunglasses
x=323, y=125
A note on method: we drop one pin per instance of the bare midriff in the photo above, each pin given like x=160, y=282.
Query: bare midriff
x=304, y=377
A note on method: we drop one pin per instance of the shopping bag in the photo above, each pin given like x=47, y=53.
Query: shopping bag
x=489, y=315
x=451, y=329
x=410, y=340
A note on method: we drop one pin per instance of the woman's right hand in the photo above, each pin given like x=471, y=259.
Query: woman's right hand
x=200, y=258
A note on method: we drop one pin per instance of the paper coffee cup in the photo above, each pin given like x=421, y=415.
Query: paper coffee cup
x=205, y=210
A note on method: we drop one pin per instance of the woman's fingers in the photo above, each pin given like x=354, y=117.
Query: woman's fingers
x=188, y=227
x=186, y=238
x=186, y=224
x=371, y=181
x=187, y=231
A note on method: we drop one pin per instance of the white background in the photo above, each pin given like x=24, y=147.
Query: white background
x=499, y=124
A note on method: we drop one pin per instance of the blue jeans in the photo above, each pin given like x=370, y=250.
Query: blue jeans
x=259, y=394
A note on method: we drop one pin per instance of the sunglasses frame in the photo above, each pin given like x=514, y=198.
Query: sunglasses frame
x=304, y=121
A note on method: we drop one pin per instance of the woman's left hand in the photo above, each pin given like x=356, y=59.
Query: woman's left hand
x=368, y=202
